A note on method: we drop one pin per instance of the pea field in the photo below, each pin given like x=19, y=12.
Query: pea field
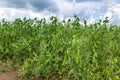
x=65, y=50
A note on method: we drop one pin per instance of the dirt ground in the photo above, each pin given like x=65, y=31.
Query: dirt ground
x=7, y=73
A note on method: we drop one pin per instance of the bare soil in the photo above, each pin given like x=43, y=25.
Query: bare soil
x=7, y=73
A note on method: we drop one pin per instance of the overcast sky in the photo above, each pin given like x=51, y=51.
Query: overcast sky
x=90, y=10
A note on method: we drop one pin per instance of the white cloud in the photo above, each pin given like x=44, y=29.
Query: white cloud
x=90, y=10
x=113, y=13
x=69, y=8
x=65, y=7
x=12, y=13
x=85, y=10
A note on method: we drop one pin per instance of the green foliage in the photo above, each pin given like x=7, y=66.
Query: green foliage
x=68, y=49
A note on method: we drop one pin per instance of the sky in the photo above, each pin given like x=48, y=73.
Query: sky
x=90, y=10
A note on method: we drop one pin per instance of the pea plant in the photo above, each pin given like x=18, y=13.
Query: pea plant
x=69, y=50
